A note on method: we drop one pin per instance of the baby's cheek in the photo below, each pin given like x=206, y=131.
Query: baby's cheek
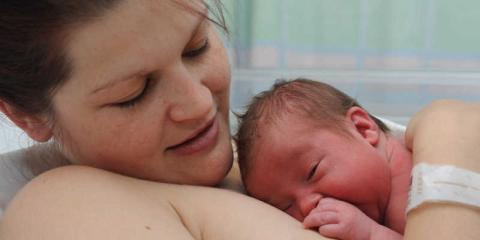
x=295, y=213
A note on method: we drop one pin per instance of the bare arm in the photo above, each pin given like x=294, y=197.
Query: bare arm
x=85, y=203
x=446, y=132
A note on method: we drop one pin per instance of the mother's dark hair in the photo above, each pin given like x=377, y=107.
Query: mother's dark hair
x=33, y=60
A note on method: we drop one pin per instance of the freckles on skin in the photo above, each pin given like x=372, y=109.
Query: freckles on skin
x=132, y=141
x=219, y=79
x=141, y=130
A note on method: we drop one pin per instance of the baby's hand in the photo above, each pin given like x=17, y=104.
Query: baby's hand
x=340, y=220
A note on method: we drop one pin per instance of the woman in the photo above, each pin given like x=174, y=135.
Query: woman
x=138, y=88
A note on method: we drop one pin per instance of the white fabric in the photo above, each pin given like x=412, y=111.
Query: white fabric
x=17, y=168
x=396, y=129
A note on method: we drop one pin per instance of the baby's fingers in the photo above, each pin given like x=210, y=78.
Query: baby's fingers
x=319, y=218
x=331, y=231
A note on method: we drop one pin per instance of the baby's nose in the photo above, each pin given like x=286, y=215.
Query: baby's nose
x=307, y=203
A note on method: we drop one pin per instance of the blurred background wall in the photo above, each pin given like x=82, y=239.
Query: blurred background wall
x=394, y=56
x=407, y=35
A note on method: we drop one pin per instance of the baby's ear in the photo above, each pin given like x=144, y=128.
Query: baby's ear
x=364, y=124
x=36, y=127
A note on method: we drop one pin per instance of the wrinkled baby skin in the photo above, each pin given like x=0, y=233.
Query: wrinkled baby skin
x=341, y=220
x=361, y=175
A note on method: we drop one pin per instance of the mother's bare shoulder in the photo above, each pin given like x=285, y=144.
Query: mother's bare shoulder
x=76, y=202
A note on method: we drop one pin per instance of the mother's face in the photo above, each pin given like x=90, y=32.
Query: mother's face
x=148, y=94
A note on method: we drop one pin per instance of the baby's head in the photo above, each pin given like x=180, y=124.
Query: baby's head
x=303, y=140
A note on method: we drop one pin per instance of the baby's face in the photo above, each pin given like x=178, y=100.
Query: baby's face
x=296, y=164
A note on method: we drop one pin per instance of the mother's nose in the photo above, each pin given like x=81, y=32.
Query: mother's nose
x=189, y=99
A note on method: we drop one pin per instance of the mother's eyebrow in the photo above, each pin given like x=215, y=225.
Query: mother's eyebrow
x=115, y=81
x=201, y=25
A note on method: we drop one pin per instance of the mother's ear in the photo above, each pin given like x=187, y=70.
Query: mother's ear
x=36, y=127
x=364, y=124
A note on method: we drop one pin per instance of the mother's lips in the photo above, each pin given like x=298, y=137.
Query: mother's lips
x=204, y=139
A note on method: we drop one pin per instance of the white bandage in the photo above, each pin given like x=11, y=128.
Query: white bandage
x=443, y=183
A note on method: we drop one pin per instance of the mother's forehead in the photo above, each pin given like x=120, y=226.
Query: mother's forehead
x=132, y=20
x=131, y=39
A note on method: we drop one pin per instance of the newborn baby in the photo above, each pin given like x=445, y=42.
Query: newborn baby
x=315, y=153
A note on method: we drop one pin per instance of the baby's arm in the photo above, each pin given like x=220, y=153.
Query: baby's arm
x=341, y=220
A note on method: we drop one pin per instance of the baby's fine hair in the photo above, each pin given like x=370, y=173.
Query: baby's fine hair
x=322, y=104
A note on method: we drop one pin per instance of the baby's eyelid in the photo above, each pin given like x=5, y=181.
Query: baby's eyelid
x=312, y=172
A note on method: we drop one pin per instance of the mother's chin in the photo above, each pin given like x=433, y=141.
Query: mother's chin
x=214, y=169
x=211, y=167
